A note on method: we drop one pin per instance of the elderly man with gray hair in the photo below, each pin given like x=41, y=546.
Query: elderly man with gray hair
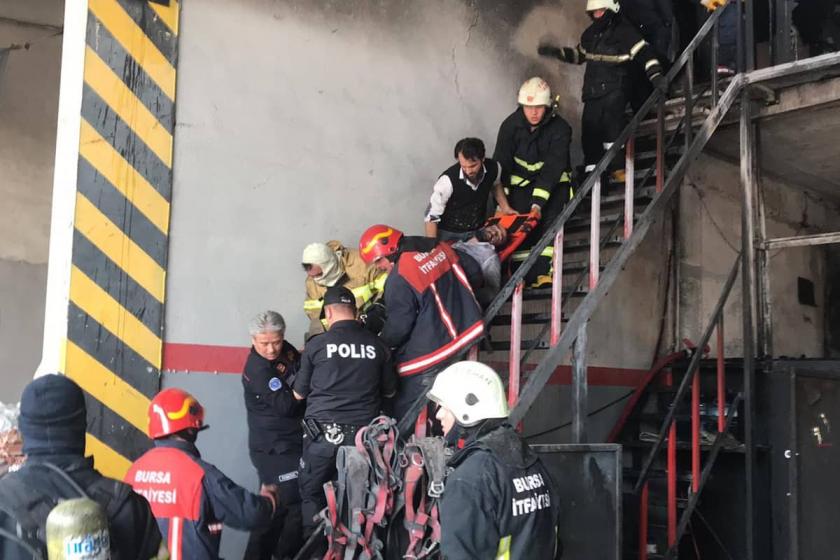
x=274, y=431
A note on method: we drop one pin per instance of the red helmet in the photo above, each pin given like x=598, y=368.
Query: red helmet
x=379, y=241
x=173, y=410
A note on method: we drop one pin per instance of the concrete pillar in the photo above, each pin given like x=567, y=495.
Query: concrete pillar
x=110, y=218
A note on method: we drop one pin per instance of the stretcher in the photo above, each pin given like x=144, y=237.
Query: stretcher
x=517, y=226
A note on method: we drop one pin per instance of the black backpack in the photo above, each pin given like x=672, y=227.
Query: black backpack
x=25, y=497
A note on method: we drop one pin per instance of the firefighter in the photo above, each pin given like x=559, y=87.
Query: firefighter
x=609, y=46
x=191, y=498
x=458, y=206
x=345, y=375
x=274, y=432
x=533, y=149
x=654, y=19
x=332, y=264
x=52, y=423
x=499, y=500
x=432, y=312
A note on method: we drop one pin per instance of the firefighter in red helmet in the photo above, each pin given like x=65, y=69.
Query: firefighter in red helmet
x=432, y=313
x=190, y=498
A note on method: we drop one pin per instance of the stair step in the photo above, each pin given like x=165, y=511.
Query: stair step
x=580, y=245
x=633, y=474
x=608, y=218
x=681, y=446
x=527, y=319
x=504, y=345
x=531, y=294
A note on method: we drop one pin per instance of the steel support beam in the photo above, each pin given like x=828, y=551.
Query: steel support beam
x=580, y=388
x=802, y=241
x=748, y=190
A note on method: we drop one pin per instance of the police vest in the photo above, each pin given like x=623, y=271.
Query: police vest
x=466, y=208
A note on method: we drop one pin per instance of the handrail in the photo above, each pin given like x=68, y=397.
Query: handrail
x=540, y=375
x=689, y=374
x=549, y=233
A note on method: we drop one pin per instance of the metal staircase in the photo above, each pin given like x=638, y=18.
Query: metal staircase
x=593, y=239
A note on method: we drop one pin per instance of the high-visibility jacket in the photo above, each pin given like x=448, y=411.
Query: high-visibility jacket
x=536, y=160
x=366, y=283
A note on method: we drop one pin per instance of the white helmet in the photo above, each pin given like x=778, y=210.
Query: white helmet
x=592, y=5
x=472, y=391
x=535, y=92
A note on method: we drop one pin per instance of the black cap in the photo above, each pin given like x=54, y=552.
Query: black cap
x=52, y=416
x=339, y=295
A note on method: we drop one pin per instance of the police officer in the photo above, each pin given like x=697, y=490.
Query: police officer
x=191, y=498
x=499, y=500
x=344, y=375
x=274, y=432
x=53, y=422
x=609, y=47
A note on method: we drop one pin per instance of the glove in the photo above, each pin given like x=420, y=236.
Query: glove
x=660, y=83
x=712, y=5
x=550, y=50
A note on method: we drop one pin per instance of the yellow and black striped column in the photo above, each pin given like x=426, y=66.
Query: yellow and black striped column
x=121, y=225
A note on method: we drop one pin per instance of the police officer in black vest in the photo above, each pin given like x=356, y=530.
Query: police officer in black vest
x=344, y=376
x=458, y=206
x=499, y=500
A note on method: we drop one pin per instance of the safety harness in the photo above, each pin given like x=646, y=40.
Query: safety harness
x=424, y=466
x=361, y=501
x=377, y=485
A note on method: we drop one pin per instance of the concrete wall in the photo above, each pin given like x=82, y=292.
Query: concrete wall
x=28, y=102
x=711, y=236
x=303, y=121
x=310, y=120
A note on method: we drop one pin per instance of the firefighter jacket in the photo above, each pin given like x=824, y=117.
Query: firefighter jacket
x=274, y=414
x=366, y=283
x=608, y=47
x=538, y=159
x=499, y=501
x=432, y=312
x=28, y=495
x=191, y=499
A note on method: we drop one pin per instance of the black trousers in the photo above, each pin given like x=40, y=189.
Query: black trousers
x=520, y=200
x=317, y=468
x=602, y=122
x=283, y=538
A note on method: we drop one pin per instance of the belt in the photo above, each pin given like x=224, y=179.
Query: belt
x=336, y=433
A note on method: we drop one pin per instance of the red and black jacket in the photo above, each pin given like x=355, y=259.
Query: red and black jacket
x=432, y=312
x=191, y=499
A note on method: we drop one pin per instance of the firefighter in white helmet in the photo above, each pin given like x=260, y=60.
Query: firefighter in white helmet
x=332, y=264
x=609, y=47
x=533, y=149
x=499, y=501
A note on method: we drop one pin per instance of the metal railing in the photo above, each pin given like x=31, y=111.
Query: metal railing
x=561, y=340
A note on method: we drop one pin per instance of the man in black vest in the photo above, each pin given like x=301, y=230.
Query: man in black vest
x=52, y=423
x=458, y=206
